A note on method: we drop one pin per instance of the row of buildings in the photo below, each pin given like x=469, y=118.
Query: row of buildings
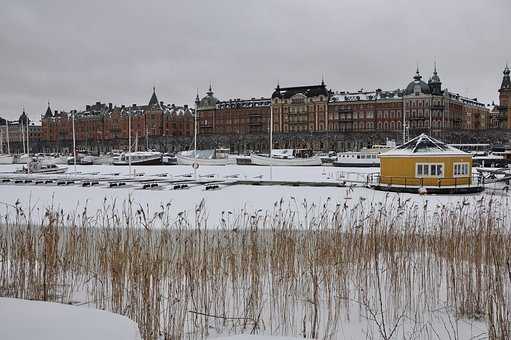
x=302, y=117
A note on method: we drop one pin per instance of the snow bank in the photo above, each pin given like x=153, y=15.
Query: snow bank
x=27, y=320
x=254, y=337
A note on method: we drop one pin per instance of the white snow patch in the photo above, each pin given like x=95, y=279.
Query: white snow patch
x=27, y=320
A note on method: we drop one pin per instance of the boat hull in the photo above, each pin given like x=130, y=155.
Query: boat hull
x=5, y=159
x=149, y=161
x=266, y=161
x=184, y=160
x=355, y=165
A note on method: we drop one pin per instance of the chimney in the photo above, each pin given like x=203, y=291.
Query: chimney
x=186, y=106
x=110, y=106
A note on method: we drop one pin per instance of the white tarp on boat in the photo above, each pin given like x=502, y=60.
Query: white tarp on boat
x=261, y=160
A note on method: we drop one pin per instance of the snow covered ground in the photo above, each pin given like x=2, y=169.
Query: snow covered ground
x=31, y=320
x=232, y=199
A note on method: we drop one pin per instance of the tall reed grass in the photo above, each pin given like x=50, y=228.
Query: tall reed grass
x=399, y=268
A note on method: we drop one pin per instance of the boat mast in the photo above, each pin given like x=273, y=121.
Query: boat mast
x=28, y=145
x=271, y=139
x=7, y=137
x=129, y=142
x=195, y=128
x=74, y=142
x=195, y=134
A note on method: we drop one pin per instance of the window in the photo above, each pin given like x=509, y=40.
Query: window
x=429, y=170
x=461, y=170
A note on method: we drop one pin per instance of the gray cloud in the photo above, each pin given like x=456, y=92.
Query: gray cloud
x=75, y=53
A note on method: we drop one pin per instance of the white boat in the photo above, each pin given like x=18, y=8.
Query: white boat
x=139, y=158
x=22, y=159
x=366, y=158
x=275, y=161
x=188, y=160
x=80, y=160
x=39, y=167
x=213, y=157
x=104, y=159
x=6, y=159
x=490, y=160
x=357, y=159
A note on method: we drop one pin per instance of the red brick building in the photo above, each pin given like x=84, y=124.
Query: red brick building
x=102, y=124
x=233, y=116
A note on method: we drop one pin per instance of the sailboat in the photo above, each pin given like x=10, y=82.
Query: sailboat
x=139, y=157
x=216, y=157
x=279, y=158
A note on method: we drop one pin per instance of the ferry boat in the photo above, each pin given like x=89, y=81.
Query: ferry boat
x=139, y=158
x=366, y=158
x=357, y=159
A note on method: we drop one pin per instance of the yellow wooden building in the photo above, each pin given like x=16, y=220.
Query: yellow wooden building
x=426, y=162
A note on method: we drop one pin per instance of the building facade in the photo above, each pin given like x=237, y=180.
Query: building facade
x=233, y=116
x=101, y=127
x=504, y=107
x=15, y=138
x=310, y=116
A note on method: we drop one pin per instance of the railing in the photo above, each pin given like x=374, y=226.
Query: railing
x=402, y=181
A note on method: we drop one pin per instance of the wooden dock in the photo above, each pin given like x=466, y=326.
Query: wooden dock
x=210, y=182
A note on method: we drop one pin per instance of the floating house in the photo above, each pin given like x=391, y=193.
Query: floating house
x=426, y=163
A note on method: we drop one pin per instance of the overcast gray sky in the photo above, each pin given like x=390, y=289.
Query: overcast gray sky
x=73, y=53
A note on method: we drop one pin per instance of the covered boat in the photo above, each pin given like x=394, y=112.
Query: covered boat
x=204, y=157
x=40, y=167
x=139, y=158
x=284, y=161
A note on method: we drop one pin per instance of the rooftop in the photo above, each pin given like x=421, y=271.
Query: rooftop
x=424, y=145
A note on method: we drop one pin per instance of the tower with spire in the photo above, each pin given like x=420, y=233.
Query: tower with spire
x=505, y=96
x=153, y=102
x=435, y=84
x=48, y=114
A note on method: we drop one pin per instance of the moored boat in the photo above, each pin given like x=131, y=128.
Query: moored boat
x=139, y=158
x=21, y=159
x=360, y=159
x=39, y=167
x=275, y=161
x=6, y=159
x=186, y=160
x=213, y=157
